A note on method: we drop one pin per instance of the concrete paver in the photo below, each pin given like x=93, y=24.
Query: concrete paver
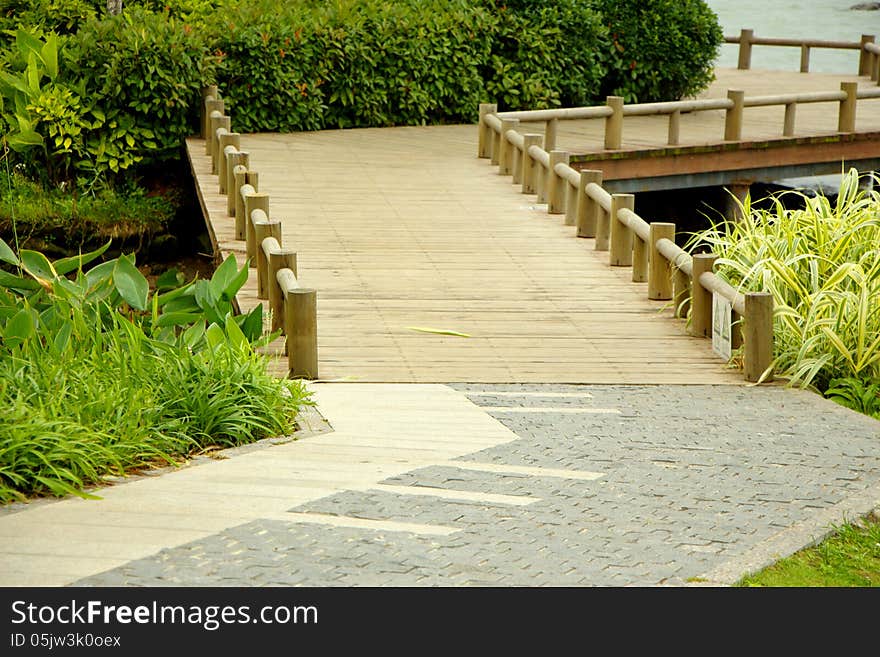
x=688, y=484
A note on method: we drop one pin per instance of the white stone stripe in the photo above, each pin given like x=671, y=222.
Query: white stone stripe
x=449, y=494
x=523, y=469
x=527, y=393
x=361, y=523
x=546, y=409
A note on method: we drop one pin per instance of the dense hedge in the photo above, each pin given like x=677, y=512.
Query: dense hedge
x=127, y=88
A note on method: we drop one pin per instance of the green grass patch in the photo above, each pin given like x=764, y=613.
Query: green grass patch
x=848, y=558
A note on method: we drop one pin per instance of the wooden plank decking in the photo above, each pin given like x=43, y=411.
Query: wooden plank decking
x=405, y=227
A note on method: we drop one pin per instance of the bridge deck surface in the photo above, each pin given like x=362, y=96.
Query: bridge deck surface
x=405, y=227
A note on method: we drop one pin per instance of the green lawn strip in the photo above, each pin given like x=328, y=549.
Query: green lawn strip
x=848, y=558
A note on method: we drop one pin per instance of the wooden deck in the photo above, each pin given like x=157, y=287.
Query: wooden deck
x=406, y=227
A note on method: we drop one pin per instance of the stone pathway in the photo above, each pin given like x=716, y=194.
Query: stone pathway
x=597, y=486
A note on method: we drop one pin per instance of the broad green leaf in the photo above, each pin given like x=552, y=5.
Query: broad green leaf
x=225, y=273
x=174, y=295
x=13, y=282
x=19, y=328
x=184, y=304
x=100, y=273
x=62, y=338
x=177, y=319
x=7, y=254
x=131, y=284
x=67, y=265
x=252, y=323
x=49, y=54
x=215, y=336
x=194, y=334
x=169, y=280
x=21, y=141
x=38, y=266
x=236, y=338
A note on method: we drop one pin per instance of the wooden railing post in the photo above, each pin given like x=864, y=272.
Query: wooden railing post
x=208, y=92
x=211, y=105
x=540, y=182
x=788, y=123
x=621, y=244
x=529, y=166
x=253, y=201
x=640, y=257
x=673, y=136
x=218, y=122
x=588, y=210
x=301, y=326
x=660, y=269
x=864, y=55
x=505, y=157
x=485, y=132
x=551, y=126
x=227, y=140
x=233, y=186
x=516, y=161
x=240, y=174
x=805, y=58
x=614, y=123
x=571, y=202
x=262, y=230
x=733, y=118
x=758, y=335
x=556, y=183
x=681, y=292
x=846, y=117
x=495, y=146
x=745, y=50
x=701, y=298
x=278, y=260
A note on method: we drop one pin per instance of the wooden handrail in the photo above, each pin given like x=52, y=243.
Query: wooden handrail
x=293, y=308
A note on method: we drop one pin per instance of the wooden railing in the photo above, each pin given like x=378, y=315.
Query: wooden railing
x=650, y=250
x=293, y=308
x=494, y=124
x=869, y=53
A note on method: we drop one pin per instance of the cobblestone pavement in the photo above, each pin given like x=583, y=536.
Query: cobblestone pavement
x=691, y=483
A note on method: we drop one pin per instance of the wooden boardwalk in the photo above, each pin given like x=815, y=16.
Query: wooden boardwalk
x=405, y=227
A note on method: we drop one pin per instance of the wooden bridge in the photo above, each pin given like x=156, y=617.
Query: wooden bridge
x=432, y=267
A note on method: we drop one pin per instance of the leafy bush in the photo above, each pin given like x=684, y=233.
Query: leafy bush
x=98, y=376
x=544, y=54
x=146, y=78
x=822, y=265
x=658, y=50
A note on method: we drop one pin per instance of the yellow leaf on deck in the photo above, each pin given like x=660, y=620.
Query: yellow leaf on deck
x=426, y=329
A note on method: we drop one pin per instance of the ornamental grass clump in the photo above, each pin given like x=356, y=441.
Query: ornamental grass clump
x=822, y=265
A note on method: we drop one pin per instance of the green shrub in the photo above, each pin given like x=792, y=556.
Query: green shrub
x=544, y=54
x=658, y=50
x=98, y=375
x=145, y=78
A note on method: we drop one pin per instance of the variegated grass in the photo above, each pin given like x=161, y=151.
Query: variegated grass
x=822, y=265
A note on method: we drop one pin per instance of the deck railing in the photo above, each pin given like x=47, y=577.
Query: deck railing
x=649, y=249
x=293, y=308
x=869, y=62
x=494, y=124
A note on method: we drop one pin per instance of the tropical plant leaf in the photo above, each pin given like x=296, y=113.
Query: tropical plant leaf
x=131, y=284
x=7, y=254
x=38, y=266
x=72, y=263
